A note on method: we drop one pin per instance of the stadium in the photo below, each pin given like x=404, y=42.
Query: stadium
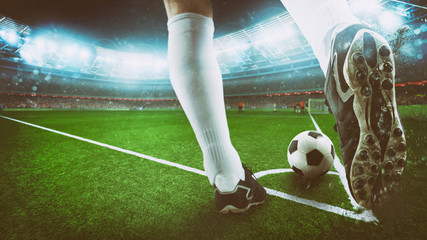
x=95, y=145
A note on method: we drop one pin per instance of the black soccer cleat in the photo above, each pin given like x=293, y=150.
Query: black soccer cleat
x=246, y=194
x=360, y=94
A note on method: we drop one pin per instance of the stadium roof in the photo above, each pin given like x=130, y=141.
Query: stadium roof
x=248, y=49
x=128, y=21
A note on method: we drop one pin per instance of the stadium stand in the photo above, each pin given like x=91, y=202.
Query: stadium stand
x=258, y=70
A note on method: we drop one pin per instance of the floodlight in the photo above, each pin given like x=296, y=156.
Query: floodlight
x=137, y=61
x=365, y=7
x=70, y=50
x=389, y=21
x=84, y=54
x=160, y=65
x=289, y=32
x=51, y=46
x=40, y=43
x=27, y=53
x=10, y=37
x=31, y=54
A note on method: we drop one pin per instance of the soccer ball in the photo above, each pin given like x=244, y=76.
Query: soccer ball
x=311, y=154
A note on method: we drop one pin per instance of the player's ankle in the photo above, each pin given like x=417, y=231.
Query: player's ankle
x=226, y=183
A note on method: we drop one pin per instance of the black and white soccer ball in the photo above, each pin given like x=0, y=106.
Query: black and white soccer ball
x=311, y=154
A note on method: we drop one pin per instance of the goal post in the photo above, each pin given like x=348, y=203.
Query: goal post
x=317, y=106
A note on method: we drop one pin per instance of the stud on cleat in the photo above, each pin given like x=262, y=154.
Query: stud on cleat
x=401, y=147
x=384, y=51
x=397, y=132
x=359, y=184
x=370, y=139
x=359, y=170
x=397, y=176
x=388, y=67
x=363, y=155
x=374, y=168
x=387, y=84
x=401, y=162
x=389, y=165
x=366, y=91
x=375, y=79
x=376, y=155
x=384, y=109
x=360, y=75
x=358, y=58
x=371, y=181
x=391, y=152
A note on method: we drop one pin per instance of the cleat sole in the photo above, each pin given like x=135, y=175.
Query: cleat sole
x=232, y=209
x=381, y=151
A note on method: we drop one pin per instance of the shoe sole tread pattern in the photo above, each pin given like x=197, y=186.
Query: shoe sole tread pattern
x=233, y=209
x=373, y=178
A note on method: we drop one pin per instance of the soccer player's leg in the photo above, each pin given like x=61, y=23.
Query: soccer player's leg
x=359, y=68
x=197, y=81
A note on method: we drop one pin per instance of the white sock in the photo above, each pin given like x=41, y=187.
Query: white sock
x=320, y=21
x=197, y=81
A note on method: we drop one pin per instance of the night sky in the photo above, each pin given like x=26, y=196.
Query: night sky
x=129, y=22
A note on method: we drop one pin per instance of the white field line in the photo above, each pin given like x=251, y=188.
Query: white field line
x=341, y=170
x=281, y=170
x=315, y=123
x=366, y=216
x=183, y=167
x=266, y=116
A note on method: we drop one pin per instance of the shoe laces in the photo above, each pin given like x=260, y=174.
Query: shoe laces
x=249, y=170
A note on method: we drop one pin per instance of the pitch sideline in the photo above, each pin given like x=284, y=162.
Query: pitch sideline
x=366, y=215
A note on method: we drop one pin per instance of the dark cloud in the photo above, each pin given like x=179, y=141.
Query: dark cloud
x=129, y=21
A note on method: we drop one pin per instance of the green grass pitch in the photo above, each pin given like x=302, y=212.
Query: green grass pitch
x=56, y=187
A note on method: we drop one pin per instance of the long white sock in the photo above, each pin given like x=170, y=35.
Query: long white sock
x=319, y=21
x=197, y=81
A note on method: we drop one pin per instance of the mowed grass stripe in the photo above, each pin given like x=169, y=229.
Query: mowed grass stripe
x=261, y=142
x=116, y=197
x=61, y=188
x=162, y=161
x=365, y=216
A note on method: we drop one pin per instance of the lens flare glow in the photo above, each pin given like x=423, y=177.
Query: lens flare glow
x=390, y=21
